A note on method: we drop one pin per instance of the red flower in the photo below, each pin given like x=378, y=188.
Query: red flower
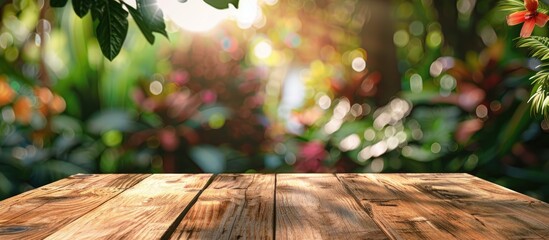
x=530, y=17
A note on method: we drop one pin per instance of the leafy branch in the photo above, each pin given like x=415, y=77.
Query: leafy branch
x=518, y=5
x=112, y=18
x=540, y=94
x=539, y=48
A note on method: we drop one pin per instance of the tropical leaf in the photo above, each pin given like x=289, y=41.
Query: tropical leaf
x=97, y=9
x=222, y=4
x=540, y=97
x=141, y=23
x=152, y=15
x=539, y=46
x=81, y=7
x=112, y=28
x=518, y=5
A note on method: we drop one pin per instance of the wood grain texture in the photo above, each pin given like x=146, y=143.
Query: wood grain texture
x=268, y=206
x=144, y=211
x=234, y=206
x=408, y=208
x=317, y=206
x=514, y=215
x=41, y=212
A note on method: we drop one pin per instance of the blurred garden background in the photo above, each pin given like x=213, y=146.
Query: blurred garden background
x=273, y=86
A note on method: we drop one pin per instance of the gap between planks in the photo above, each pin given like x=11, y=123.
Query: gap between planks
x=33, y=227
x=155, y=199
x=233, y=206
x=171, y=230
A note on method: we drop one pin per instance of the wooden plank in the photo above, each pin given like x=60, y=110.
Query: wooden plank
x=41, y=212
x=24, y=202
x=407, y=212
x=317, y=206
x=144, y=211
x=513, y=214
x=234, y=206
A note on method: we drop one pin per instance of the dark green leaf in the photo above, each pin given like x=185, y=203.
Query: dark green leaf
x=81, y=7
x=58, y=3
x=112, y=28
x=143, y=26
x=97, y=9
x=222, y=4
x=152, y=15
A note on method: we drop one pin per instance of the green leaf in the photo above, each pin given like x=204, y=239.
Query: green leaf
x=518, y=5
x=152, y=15
x=81, y=7
x=97, y=9
x=58, y=3
x=112, y=29
x=143, y=26
x=540, y=93
x=222, y=4
x=540, y=97
x=539, y=46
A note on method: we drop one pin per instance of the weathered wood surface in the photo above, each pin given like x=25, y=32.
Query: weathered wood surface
x=42, y=212
x=317, y=206
x=144, y=211
x=269, y=206
x=232, y=207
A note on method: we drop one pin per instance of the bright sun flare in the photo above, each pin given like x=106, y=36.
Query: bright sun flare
x=198, y=16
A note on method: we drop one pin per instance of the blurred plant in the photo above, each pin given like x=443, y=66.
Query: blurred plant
x=37, y=144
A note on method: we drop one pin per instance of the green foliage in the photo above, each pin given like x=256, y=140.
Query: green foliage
x=540, y=95
x=152, y=16
x=518, y=5
x=141, y=23
x=538, y=46
x=113, y=24
x=112, y=28
x=81, y=7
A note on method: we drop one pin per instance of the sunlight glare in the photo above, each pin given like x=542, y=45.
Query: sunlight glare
x=193, y=15
x=198, y=16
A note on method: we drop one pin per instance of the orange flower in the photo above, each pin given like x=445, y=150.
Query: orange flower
x=6, y=93
x=530, y=17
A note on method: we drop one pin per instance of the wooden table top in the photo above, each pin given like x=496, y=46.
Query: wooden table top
x=268, y=206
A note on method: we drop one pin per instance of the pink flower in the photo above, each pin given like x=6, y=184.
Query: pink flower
x=530, y=17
